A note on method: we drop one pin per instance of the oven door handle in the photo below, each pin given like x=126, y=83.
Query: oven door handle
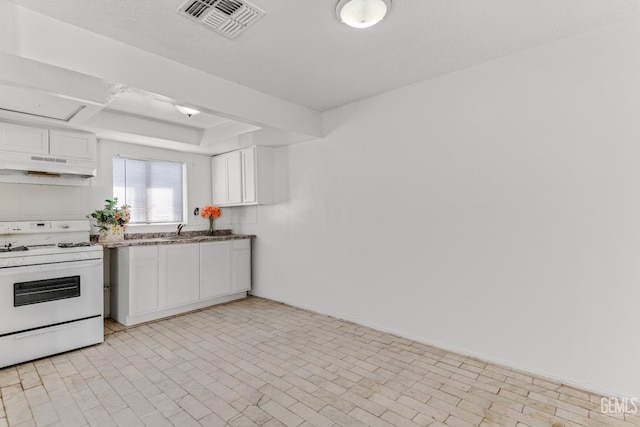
x=30, y=268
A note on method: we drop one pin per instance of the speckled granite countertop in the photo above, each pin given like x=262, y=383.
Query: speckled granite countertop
x=147, y=239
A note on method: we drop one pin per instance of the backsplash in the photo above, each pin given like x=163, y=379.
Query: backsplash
x=24, y=202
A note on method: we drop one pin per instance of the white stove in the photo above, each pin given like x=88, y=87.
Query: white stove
x=51, y=289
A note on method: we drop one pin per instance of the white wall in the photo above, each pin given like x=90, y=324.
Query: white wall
x=24, y=202
x=494, y=211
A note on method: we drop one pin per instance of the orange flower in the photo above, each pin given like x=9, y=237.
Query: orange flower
x=211, y=211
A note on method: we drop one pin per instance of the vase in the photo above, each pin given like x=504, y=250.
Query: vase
x=113, y=233
x=212, y=226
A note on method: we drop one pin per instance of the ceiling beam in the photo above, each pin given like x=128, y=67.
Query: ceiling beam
x=43, y=39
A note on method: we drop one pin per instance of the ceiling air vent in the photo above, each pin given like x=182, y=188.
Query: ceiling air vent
x=228, y=17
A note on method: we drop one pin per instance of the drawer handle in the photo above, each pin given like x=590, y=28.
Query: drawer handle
x=43, y=331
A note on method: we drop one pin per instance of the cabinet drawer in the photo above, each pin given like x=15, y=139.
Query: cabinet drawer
x=242, y=244
x=144, y=252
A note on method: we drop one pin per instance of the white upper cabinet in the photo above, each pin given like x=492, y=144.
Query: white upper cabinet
x=219, y=175
x=23, y=139
x=72, y=144
x=243, y=177
x=249, y=181
x=17, y=138
x=234, y=178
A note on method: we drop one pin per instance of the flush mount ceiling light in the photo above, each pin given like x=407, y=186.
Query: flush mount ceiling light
x=189, y=112
x=362, y=13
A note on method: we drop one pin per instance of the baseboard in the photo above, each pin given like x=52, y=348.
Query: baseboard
x=180, y=309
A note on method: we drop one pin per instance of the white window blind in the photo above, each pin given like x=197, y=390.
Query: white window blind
x=153, y=189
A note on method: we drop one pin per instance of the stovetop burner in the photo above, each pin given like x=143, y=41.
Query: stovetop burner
x=74, y=245
x=13, y=248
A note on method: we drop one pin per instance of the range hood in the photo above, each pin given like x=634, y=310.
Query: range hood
x=30, y=154
x=47, y=166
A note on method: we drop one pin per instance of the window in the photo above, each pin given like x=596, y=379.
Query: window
x=153, y=189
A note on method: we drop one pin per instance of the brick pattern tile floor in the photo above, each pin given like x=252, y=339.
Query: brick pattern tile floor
x=259, y=363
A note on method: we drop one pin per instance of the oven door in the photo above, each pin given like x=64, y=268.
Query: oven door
x=37, y=296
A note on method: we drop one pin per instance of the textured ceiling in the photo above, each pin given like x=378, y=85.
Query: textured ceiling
x=300, y=53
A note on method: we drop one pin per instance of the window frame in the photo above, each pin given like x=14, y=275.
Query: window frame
x=185, y=203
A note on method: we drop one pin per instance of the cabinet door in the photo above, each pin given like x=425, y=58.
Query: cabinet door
x=219, y=177
x=72, y=144
x=215, y=269
x=23, y=139
x=144, y=286
x=241, y=273
x=234, y=178
x=180, y=274
x=249, y=175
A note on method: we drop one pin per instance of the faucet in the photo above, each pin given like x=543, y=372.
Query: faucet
x=180, y=227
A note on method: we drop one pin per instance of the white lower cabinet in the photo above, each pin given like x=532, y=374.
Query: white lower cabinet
x=144, y=272
x=179, y=276
x=152, y=282
x=134, y=282
x=241, y=265
x=215, y=269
